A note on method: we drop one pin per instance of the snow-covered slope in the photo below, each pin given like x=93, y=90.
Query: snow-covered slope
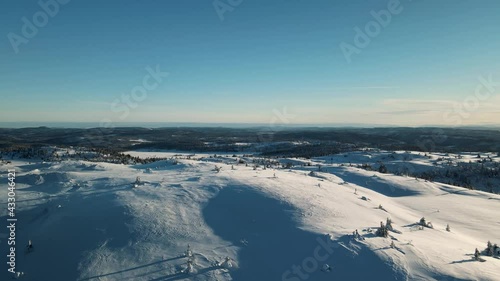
x=90, y=221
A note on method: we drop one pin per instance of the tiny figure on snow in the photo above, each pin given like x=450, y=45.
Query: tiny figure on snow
x=392, y=244
x=448, y=228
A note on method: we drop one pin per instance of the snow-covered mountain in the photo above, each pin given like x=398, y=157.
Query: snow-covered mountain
x=229, y=218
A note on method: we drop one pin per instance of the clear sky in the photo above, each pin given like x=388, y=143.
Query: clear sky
x=258, y=61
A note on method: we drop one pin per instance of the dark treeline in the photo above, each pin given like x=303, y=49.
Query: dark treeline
x=304, y=142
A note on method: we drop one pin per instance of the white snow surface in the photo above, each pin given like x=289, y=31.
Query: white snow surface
x=88, y=221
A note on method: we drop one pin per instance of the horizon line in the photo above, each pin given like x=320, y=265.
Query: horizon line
x=157, y=125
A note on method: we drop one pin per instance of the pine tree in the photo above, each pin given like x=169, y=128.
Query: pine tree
x=226, y=263
x=29, y=247
x=189, y=267
x=326, y=268
x=388, y=224
x=382, y=231
x=489, y=249
x=188, y=252
x=477, y=255
x=382, y=169
x=356, y=235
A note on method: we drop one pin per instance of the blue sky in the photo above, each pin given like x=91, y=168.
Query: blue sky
x=254, y=63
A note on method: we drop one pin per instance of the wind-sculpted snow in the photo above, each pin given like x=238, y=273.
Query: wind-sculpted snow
x=50, y=182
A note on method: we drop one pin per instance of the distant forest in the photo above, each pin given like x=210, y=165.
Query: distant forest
x=290, y=142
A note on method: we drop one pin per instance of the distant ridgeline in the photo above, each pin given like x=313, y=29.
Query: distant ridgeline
x=271, y=141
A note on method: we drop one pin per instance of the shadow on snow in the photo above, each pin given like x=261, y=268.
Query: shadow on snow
x=274, y=243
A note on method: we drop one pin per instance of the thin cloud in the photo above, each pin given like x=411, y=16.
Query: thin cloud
x=413, y=102
x=366, y=88
x=490, y=105
x=405, y=112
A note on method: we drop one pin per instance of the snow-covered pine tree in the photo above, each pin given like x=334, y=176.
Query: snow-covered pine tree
x=326, y=268
x=388, y=224
x=382, y=231
x=477, y=255
x=226, y=263
x=189, y=267
x=382, y=169
x=489, y=249
x=189, y=252
x=29, y=247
